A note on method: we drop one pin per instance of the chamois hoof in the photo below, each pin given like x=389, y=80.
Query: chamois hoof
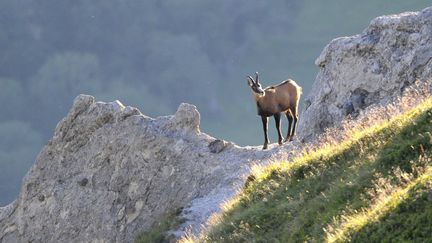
x=264, y=147
x=280, y=143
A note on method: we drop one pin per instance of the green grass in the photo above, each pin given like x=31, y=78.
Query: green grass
x=159, y=232
x=372, y=187
x=405, y=216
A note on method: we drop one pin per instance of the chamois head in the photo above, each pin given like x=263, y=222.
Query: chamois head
x=255, y=85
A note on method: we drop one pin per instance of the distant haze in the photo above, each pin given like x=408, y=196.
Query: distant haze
x=154, y=55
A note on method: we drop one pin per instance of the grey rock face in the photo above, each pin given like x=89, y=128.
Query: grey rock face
x=217, y=146
x=111, y=172
x=369, y=68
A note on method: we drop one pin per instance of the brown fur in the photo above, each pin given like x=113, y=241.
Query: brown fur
x=281, y=98
x=273, y=100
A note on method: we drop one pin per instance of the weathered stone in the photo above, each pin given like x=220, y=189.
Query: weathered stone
x=83, y=182
x=41, y=198
x=111, y=172
x=217, y=146
x=370, y=68
x=348, y=108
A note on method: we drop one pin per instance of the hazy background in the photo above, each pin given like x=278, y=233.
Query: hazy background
x=155, y=54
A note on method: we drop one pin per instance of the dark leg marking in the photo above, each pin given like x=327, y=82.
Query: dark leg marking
x=265, y=122
x=277, y=118
x=295, y=123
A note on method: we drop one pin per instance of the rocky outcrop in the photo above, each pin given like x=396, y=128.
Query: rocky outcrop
x=369, y=68
x=111, y=172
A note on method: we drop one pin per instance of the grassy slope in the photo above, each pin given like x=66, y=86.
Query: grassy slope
x=159, y=231
x=375, y=186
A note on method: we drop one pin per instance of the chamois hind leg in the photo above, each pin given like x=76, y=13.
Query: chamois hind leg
x=295, y=114
x=265, y=122
x=290, y=122
x=277, y=118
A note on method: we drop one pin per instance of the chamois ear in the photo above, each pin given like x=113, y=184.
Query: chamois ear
x=250, y=81
x=256, y=78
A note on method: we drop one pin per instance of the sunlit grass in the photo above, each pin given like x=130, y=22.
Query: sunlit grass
x=354, y=223
x=331, y=192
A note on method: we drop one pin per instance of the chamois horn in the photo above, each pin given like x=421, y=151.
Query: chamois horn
x=249, y=77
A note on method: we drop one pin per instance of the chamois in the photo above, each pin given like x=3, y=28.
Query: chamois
x=274, y=100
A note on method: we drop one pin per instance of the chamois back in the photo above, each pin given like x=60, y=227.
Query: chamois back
x=281, y=98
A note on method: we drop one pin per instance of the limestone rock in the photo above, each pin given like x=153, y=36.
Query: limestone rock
x=369, y=68
x=217, y=146
x=110, y=172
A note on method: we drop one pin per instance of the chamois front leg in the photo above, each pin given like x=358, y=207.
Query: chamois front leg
x=266, y=140
x=277, y=118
